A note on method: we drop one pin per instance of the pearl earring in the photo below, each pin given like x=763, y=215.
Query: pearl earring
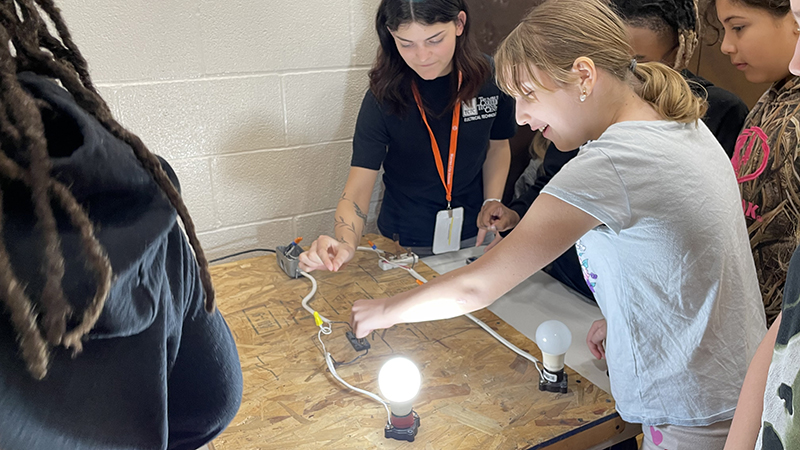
x=583, y=96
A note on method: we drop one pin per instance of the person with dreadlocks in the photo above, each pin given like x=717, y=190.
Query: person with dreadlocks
x=109, y=333
x=668, y=31
x=759, y=37
x=664, y=31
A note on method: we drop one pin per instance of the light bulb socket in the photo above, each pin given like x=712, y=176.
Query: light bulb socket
x=553, y=363
x=553, y=381
x=402, y=428
x=401, y=409
x=406, y=421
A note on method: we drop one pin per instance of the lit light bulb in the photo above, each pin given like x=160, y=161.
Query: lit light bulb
x=399, y=381
x=553, y=339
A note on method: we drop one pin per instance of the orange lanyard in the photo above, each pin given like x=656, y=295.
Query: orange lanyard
x=451, y=160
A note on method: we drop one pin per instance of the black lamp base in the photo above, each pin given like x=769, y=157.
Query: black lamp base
x=403, y=434
x=553, y=381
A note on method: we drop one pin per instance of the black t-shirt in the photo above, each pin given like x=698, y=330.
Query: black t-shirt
x=414, y=191
x=726, y=112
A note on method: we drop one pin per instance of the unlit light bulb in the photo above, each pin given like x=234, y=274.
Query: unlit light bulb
x=399, y=381
x=553, y=339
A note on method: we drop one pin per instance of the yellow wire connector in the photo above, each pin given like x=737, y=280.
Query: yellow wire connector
x=317, y=319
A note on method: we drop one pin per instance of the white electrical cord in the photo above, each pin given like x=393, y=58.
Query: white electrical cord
x=329, y=361
x=480, y=323
x=326, y=329
x=503, y=341
x=310, y=295
x=323, y=329
x=370, y=249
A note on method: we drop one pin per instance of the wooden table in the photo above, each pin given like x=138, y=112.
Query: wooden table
x=476, y=393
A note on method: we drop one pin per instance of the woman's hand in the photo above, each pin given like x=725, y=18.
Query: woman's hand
x=326, y=253
x=495, y=216
x=369, y=315
x=595, y=338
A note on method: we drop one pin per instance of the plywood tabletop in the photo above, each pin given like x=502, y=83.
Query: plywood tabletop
x=475, y=392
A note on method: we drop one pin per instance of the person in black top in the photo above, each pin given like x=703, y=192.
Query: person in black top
x=428, y=76
x=109, y=334
x=660, y=30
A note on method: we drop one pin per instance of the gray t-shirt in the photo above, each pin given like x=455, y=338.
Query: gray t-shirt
x=671, y=269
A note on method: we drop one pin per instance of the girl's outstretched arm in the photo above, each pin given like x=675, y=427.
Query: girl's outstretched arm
x=549, y=228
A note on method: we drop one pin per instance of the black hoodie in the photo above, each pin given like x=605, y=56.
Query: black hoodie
x=156, y=371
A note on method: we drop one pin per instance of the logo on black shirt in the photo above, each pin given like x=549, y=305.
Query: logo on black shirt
x=480, y=108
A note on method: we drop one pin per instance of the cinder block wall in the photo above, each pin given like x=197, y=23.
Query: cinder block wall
x=253, y=102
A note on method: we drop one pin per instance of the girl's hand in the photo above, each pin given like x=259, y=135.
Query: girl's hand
x=369, y=315
x=326, y=253
x=595, y=338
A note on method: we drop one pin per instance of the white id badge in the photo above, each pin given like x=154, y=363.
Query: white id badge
x=447, y=235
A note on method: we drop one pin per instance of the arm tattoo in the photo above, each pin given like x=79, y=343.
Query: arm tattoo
x=340, y=223
x=358, y=210
x=360, y=213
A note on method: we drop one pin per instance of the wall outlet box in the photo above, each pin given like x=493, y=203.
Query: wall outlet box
x=287, y=259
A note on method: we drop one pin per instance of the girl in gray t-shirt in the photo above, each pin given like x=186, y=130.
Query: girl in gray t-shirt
x=653, y=205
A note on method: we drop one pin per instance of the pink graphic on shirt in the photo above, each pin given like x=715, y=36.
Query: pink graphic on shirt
x=740, y=160
x=658, y=438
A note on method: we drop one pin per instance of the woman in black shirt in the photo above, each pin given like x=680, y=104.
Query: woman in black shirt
x=429, y=80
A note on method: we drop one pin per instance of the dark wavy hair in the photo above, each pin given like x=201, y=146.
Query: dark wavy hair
x=778, y=8
x=390, y=77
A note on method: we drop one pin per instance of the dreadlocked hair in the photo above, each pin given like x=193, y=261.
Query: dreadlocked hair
x=28, y=45
x=678, y=18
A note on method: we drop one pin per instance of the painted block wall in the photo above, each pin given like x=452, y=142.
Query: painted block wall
x=253, y=102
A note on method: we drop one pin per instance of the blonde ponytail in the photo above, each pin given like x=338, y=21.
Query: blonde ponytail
x=668, y=92
x=557, y=32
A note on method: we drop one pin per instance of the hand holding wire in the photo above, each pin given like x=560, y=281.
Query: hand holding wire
x=369, y=315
